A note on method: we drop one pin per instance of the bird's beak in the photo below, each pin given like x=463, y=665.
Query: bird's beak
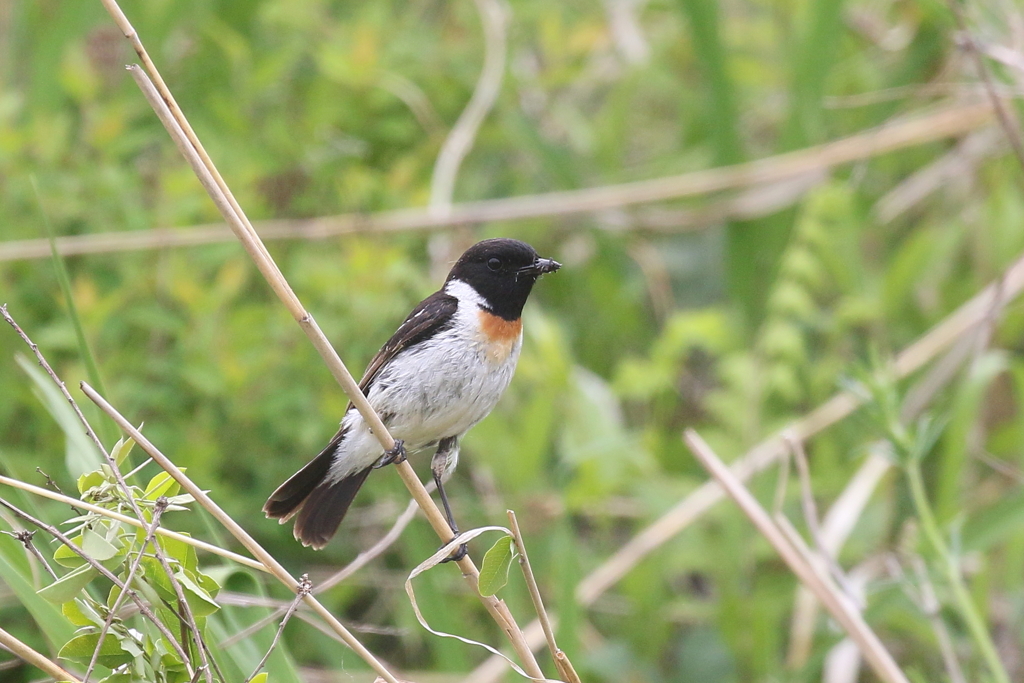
x=541, y=266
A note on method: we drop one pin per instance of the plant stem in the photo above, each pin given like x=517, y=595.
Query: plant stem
x=968, y=610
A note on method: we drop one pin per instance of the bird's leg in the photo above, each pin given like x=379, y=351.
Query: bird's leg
x=395, y=454
x=439, y=466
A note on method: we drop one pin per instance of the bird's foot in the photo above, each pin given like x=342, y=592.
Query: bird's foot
x=459, y=553
x=396, y=454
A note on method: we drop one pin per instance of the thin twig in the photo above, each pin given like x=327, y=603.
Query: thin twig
x=1006, y=120
x=53, y=375
x=895, y=135
x=835, y=529
x=187, y=617
x=25, y=538
x=304, y=589
x=562, y=663
x=36, y=659
x=73, y=547
x=810, y=511
x=840, y=607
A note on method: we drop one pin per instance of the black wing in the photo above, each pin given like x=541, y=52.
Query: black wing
x=434, y=314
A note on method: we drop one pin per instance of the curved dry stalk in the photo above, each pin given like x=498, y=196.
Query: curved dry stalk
x=494, y=17
x=914, y=130
x=36, y=659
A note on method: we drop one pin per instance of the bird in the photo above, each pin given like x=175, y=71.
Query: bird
x=441, y=372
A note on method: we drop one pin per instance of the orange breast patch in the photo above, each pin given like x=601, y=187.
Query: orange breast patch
x=499, y=335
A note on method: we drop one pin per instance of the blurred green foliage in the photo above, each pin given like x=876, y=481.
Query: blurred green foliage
x=313, y=107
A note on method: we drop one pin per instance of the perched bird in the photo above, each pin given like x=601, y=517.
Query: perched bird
x=441, y=373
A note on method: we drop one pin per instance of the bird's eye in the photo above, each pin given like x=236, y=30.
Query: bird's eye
x=494, y=264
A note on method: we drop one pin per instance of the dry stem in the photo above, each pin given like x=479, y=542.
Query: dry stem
x=837, y=604
x=562, y=663
x=36, y=659
x=951, y=121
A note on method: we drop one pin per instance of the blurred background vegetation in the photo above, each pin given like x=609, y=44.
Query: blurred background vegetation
x=682, y=313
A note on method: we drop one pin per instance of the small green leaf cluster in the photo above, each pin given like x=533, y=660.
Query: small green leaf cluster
x=132, y=649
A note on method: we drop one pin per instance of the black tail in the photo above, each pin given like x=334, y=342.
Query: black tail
x=320, y=504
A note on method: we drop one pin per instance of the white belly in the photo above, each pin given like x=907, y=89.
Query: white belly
x=436, y=389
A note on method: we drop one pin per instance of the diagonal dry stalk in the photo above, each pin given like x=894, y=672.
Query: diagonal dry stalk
x=950, y=121
x=170, y=115
x=361, y=560
x=838, y=605
x=35, y=658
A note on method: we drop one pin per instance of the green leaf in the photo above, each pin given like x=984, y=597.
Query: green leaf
x=80, y=613
x=198, y=597
x=494, y=570
x=66, y=557
x=122, y=449
x=259, y=678
x=161, y=485
x=180, y=551
x=96, y=546
x=81, y=647
x=90, y=479
x=68, y=586
x=81, y=453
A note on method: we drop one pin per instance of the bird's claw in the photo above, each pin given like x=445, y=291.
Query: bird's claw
x=457, y=555
x=395, y=454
